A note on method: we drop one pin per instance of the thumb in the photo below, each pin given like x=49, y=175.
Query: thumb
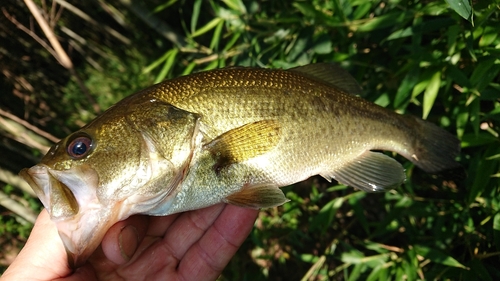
x=43, y=257
x=123, y=238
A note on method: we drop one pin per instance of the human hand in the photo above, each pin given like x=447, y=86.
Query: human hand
x=194, y=245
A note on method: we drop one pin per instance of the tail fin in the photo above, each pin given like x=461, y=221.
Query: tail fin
x=434, y=148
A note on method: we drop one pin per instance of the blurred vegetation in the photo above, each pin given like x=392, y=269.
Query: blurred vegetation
x=436, y=59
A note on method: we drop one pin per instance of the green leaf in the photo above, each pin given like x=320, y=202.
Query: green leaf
x=214, y=44
x=410, y=264
x=480, y=172
x=481, y=75
x=189, y=68
x=496, y=230
x=232, y=41
x=458, y=76
x=462, y=121
x=300, y=45
x=383, y=100
x=480, y=139
x=352, y=256
x=434, y=8
x=236, y=5
x=437, y=256
x=325, y=216
x=461, y=7
x=356, y=272
x=386, y=20
x=379, y=273
x=408, y=83
x=475, y=115
x=400, y=274
x=164, y=6
x=490, y=33
x=309, y=258
x=323, y=45
x=478, y=271
x=207, y=27
x=307, y=9
x=418, y=89
x=157, y=62
x=362, y=10
x=169, y=62
x=355, y=202
x=195, y=15
x=430, y=94
x=405, y=32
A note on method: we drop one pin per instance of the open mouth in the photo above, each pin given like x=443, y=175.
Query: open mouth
x=80, y=218
x=56, y=197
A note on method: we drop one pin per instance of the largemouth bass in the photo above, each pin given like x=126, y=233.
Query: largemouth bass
x=231, y=135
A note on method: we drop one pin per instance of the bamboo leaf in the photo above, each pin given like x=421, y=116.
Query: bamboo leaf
x=169, y=62
x=430, y=94
x=402, y=96
x=236, y=5
x=156, y=63
x=214, y=44
x=389, y=19
x=437, y=256
x=325, y=216
x=489, y=36
x=496, y=230
x=482, y=138
x=379, y=273
x=195, y=15
x=461, y=7
x=207, y=27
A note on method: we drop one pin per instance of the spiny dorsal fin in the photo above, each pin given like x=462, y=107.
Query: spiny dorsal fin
x=245, y=142
x=259, y=196
x=331, y=74
x=371, y=172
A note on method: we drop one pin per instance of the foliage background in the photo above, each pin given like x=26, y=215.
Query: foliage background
x=436, y=59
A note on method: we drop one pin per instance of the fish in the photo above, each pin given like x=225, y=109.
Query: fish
x=232, y=135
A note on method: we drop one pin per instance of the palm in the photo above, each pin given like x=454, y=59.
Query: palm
x=194, y=245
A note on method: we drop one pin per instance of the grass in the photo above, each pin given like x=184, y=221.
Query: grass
x=427, y=58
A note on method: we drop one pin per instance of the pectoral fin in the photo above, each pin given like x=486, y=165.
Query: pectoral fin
x=371, y=172
x=245, y=142
x=260, y=196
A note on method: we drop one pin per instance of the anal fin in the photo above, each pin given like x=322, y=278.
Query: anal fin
x=258, y=196
x=371, y=172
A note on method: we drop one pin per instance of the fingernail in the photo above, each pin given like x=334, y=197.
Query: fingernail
x=128, y=240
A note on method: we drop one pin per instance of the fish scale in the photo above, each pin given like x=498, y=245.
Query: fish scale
x=233, y=135
x=299, y=121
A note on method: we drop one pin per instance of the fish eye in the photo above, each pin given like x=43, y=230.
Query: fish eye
x=79, y=147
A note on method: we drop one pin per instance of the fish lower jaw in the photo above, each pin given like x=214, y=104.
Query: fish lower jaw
x=83, y=233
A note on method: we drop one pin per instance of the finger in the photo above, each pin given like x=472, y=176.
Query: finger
x=123, y=238
x=43, y=255
x=157, y=258
x=188, y=228
x=208, y=257
x=158, y=225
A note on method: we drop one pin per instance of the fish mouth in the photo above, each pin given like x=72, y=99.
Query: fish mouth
x=56, y=197
x=71, y=200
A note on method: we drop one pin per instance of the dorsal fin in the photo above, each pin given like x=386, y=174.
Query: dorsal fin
x=332, y=74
